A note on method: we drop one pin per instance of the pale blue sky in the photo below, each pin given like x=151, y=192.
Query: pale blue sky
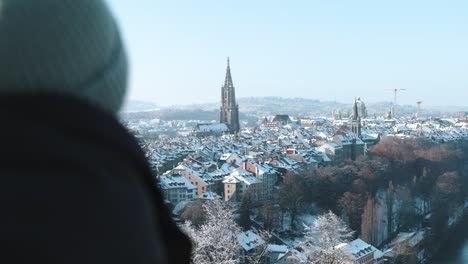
x=321, y=49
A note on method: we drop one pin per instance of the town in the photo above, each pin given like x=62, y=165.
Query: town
x=267, y=175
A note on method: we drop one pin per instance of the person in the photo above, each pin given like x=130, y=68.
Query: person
x=75, y=186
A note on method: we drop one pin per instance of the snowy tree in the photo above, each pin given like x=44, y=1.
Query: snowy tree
x=215, y=241
x=324, y=240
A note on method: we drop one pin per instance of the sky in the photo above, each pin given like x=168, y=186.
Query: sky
x=331, y=50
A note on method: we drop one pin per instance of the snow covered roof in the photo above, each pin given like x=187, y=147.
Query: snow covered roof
x=225, y=156
x=209, y=196
x=277, y=248
x=231, y=179
x=249, y=240
x=358, y=249
x=177, y=181
x=241, y=176
x=217, y=127
x=413, y=238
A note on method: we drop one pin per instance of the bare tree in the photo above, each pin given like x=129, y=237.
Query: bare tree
x=194, y=212
x=291, y=196
x=369, y=227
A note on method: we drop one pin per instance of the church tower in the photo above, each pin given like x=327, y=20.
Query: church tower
x=356, y=120
x=229, y=112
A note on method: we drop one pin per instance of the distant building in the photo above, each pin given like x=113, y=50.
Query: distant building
x=210, y=129
x=337, y=115
x=229, y=112
x=356, y=118
x=278, y=121
x=361, y=107
x=352, y=145
x=282, y=119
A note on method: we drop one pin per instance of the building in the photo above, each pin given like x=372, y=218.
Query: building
x=176, y=188
x=229, y=112
x=356, y=119
x=210, y=129
x=238, y=183
x=250, y=243
x=266, y=175
x=202, y=180
x=361, y=107
x=274, y=252
x=352, y=146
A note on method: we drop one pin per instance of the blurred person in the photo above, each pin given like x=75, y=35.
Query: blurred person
x=75, y=186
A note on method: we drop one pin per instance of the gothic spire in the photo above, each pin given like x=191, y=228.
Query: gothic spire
x=229, y=112
x=228, y=81
x=355, y=110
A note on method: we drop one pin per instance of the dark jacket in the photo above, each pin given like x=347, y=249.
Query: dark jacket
x=75, y=188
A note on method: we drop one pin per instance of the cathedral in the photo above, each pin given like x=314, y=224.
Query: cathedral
x=229, y=111
x=356, y=118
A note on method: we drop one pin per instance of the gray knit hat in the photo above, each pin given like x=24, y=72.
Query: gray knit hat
x=69, y=47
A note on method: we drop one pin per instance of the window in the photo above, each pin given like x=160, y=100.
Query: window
x=203, y=188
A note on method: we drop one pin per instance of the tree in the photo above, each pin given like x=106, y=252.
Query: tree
x=216, y=240
x=244, y=210
x=369, y=226
x=394, y=148
x=389, y=202
x=194, y=213
x=404, y=253
x=291, y=195
x=406, y=213
x=352, y=205
x=268, y=215
x=447, y=189
x=322, y=240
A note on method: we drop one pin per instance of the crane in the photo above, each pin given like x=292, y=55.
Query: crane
x=395, y=91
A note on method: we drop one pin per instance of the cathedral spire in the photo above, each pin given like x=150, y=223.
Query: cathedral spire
x=356, y=120
x=355, y=110
x=229, y=113
x=228, y=79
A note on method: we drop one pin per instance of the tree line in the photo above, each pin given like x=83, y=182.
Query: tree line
x=405, y=180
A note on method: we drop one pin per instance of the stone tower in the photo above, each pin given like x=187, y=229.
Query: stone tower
x=229, y=112
x=356, y=120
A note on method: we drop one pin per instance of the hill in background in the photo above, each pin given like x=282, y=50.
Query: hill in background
x=267, y=106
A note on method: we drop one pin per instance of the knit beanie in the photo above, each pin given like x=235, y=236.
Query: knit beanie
x=66, y=47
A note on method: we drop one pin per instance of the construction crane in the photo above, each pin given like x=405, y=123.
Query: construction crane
x=418, y=113
x=395, y=91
